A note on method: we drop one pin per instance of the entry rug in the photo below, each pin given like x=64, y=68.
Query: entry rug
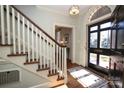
x=87, y=78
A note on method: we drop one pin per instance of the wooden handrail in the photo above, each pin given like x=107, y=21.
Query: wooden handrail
x=37, y=26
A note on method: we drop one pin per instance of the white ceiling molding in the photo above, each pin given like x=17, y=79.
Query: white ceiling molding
x=63, y=9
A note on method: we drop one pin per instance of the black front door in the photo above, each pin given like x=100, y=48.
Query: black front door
x=99, y=38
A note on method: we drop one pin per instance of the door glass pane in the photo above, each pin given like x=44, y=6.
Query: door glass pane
x=93, y=40
x=113, y=35
x=94, y=28
x=105, y=39
x=105, y=25
x=120, y=39
x=104, y=61
x=93, y=58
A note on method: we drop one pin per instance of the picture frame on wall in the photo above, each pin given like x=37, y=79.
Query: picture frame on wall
x=66, y=36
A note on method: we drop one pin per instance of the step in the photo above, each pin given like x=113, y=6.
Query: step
x=54, y=81
x=17, y=54
x=52, y=74
x=43, y=67
x=57, y=85
x=6, y=45
x=32, y=62
x=60, y=78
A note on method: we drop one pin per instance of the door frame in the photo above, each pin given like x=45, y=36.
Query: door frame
x=73, y=38
x=97, y=67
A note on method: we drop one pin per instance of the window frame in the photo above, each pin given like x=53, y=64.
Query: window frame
x=92, y=50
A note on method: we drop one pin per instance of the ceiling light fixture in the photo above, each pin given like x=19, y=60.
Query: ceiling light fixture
x=74, y=10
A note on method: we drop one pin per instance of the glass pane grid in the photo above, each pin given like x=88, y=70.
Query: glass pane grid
x=93, y=40
x=105, y=39
x=94, y=28
x=104, y=61
x=105, y=25
x=93, y=58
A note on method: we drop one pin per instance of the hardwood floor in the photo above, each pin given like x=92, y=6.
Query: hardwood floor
x=72, y=82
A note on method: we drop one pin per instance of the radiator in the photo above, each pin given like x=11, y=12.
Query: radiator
x=9, y=76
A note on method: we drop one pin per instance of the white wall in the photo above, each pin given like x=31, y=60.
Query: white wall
x=45, y=18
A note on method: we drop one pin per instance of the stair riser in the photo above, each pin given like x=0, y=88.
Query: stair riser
x=4, y=51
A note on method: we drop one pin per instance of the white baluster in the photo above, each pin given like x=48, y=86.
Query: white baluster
x=32, y=27
x=13, y=29
x=44, y=51
x=51, y=61
x=28, y=40
x=36, y=45
x=56, y=57
x=2, y=25
x=18, y=30
x=8, y=25
x=47, y=51
x=53, y=55
x=62, y=60
x=48, y=57
x=65, y=66
x=23, y=33
x=45, y=48
x=40, y=40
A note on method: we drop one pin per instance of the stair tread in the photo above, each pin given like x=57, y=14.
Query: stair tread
x=6, y=44
x=53, y=74
x=60, y=78
x=32, y=62
x=22, y=54
x=43, y=69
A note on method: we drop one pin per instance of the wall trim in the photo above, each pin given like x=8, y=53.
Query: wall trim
x=99, y=19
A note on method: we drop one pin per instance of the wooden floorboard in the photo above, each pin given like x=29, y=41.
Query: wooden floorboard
x=72, y=82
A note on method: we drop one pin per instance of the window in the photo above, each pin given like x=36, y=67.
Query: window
x=105, y=39
x=105, y=25
x=93, y=58
x=93, y=40
x=94, y=28
x=104, y=61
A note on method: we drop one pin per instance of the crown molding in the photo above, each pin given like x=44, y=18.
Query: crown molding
x=52, y=11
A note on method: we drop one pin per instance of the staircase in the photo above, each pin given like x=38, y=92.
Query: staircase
x=25, y=44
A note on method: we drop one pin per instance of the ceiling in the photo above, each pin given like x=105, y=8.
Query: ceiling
x=64, y=9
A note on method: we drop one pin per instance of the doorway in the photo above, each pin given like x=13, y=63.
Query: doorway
x=63, y=35
x=99, y=45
